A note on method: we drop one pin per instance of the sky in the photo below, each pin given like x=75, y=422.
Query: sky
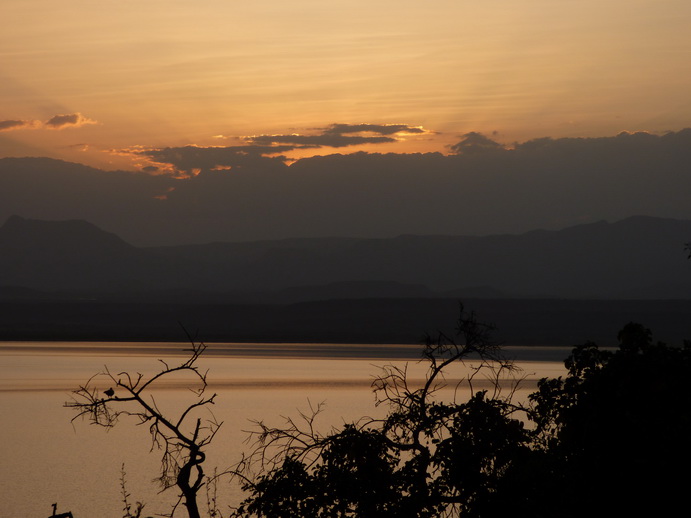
x=225, y=120
x=96, y=82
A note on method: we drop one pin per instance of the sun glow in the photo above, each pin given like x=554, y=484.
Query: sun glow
x=171, y=74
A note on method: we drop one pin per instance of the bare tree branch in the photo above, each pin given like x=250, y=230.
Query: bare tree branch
x=181, y=439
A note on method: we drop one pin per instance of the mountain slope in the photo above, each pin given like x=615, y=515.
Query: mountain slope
x=639, y=257
x=74, y=255
x=636, y=257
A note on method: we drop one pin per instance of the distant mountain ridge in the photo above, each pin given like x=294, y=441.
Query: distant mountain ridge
x=638, y=257
x=63, y=237
x=73, y=255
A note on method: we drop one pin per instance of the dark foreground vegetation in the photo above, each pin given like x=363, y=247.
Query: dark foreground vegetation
x=611, y=438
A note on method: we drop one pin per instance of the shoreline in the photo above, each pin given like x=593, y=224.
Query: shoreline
x=534, y=322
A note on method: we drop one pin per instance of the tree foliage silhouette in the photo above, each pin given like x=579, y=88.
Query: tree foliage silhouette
x=426, y=458
x=616, y=430
x=610, y=438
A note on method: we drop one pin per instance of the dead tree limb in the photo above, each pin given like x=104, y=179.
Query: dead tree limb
x=181, y=438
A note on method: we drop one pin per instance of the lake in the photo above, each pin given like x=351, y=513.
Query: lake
x=48, y=459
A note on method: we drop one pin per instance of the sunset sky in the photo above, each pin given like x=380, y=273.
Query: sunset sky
x=110, y=83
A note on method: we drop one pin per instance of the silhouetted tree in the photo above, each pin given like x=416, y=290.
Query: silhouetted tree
x=616, y=431
x=426, y=458
x=611, y=438
x=182, y=438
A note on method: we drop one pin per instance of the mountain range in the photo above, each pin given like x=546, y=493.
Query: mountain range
x=636, y=258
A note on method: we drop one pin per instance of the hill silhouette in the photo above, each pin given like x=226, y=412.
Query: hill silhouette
x=74, y=256
x=70, y=280
x=636, y=258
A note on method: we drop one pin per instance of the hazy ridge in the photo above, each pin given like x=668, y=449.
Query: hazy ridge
x=70, y=280
x=636, y=258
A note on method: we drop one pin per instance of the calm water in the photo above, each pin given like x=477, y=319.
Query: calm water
x=48, y=459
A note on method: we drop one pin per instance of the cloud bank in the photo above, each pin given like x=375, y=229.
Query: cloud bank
x=248, y=192
x=340, y=135
x=267, y=151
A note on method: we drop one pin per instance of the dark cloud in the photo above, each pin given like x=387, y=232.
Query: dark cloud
x=316, y=141
x=624, y=141
x=340, y=135
x=262, y=150
x=474, y=142
x=241, y=193
x=71, y=120
x=192, y=158
x=9, y=125
x=44, y=188
x=381, y=129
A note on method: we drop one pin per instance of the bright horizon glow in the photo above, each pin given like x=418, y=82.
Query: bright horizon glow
x=172, y=73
